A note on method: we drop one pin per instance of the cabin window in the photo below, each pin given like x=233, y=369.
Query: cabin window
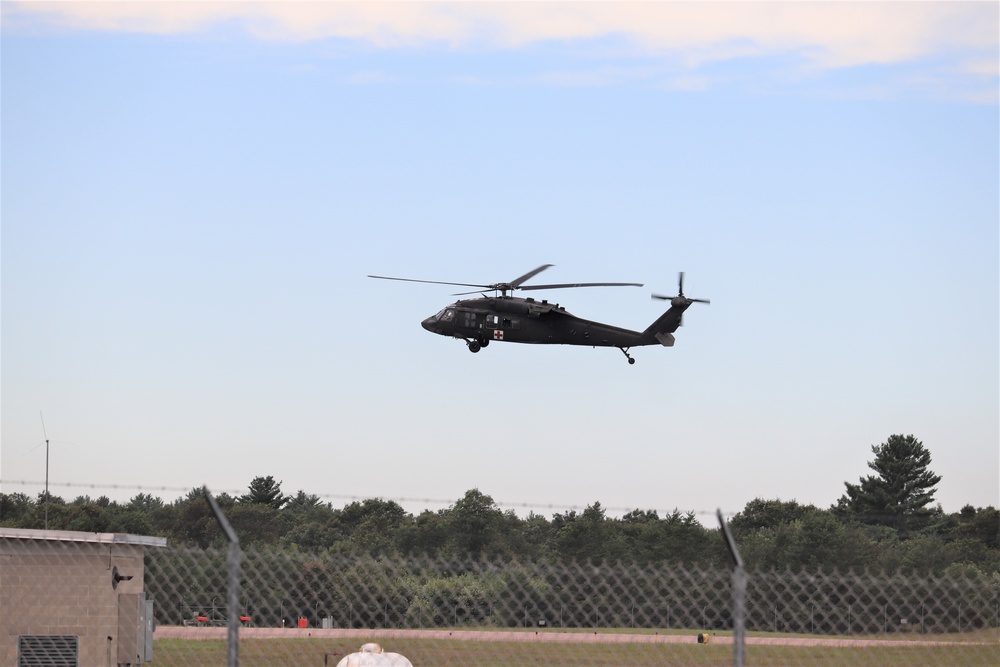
x=497, y=322
x=469, y=319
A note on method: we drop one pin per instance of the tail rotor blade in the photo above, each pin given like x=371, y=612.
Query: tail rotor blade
x=680, y=293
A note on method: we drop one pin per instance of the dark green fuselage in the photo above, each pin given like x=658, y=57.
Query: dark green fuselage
x=520, y=320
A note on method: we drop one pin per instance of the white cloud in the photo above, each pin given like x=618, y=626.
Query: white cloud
x=814, y=36
x=833, y=34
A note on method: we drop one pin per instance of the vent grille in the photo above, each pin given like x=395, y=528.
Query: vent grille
x=48, y=651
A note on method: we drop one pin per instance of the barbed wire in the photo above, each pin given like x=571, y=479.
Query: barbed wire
x=348, y=498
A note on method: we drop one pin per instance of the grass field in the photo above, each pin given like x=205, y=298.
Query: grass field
x=969, y=650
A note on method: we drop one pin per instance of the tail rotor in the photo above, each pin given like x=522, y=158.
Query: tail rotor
x=679, y=300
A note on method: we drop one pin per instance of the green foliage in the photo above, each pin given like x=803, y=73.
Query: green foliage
x=760, y=514
x=475, y=526
x=305, y=504
x=265, y=491
x=371, y=525
x=815, y=540
x=14, y=508
x=861, y=532
x=898, y=495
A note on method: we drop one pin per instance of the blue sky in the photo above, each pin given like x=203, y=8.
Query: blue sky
x=193, y=195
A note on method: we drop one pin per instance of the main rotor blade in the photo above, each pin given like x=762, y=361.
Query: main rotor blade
x=433, y=282
x=516, y=283
x=508, y=287
x=563, y=285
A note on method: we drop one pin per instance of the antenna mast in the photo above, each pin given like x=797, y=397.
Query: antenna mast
x=46, y=470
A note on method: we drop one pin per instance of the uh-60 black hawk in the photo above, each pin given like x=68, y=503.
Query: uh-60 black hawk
x=524, y=320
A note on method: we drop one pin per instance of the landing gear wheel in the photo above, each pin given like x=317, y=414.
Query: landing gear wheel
x=474, y=346
x=484, y=342
x=631, y=361
x=627, y=355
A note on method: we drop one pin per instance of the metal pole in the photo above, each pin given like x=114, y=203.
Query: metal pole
x=46, y=470
x=233, y=571
x=46, y=483
x=739, y=596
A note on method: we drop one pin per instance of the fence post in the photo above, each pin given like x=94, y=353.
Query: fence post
x=739, y=595
x=233, y=572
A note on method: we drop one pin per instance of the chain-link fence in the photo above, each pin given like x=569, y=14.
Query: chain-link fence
x=280, y=589
x=108, y=601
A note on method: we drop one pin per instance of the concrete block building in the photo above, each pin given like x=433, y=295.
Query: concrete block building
x=74, y=599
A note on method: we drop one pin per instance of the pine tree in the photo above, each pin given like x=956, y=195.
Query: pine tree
x=265, y=491
x=898, y=495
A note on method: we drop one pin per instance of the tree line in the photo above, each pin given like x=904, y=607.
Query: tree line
x=886, y=522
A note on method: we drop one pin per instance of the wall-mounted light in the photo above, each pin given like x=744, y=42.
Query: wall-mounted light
x=115, y=577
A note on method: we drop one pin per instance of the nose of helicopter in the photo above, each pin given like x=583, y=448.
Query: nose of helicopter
x=429, y=324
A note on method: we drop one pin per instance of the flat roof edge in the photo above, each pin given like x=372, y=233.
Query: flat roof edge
x=79, y=536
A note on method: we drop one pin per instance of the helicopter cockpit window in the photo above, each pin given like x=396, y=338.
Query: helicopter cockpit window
x=446, y=315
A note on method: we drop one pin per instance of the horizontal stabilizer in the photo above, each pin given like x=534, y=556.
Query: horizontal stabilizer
x=666, y=339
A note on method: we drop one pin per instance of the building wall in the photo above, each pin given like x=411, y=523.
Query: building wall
x=50, y=587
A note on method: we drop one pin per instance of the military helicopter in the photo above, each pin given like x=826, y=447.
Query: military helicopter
x=501, y=316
